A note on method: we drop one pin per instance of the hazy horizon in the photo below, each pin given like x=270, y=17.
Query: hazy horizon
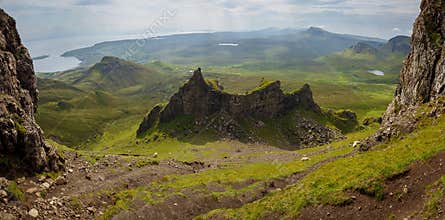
x=40, y=20
x=54, y=27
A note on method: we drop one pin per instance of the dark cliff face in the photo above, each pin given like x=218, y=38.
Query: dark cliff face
x=423, y=75
x=197, y=98
x=21, y=139
x=422, y=78
x=228, y=114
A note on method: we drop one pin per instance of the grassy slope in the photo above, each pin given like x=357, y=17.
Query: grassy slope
x=229, y=174
x=75, y=111
x=329, y=183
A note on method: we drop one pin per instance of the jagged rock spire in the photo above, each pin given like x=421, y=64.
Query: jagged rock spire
x=198, y=99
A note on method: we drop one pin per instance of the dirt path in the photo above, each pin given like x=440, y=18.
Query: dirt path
x=81, y=192
x=193, y=202
x=87, y=187
x=404, y=196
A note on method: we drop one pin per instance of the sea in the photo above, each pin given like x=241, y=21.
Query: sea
x=55, y=47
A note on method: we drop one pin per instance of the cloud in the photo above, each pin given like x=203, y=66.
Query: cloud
x=42, y=19
x=396, y=29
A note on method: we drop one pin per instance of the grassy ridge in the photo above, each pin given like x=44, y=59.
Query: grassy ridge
x=328, y=184
x=226, y=177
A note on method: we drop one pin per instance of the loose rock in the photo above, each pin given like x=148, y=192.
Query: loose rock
x=33, y=213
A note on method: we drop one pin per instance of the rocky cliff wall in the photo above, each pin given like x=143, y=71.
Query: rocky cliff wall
x=21, y=139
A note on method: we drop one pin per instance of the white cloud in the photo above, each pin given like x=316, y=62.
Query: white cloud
x=39, y=19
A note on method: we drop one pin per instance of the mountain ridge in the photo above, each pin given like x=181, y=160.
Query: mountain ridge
x=204, y=48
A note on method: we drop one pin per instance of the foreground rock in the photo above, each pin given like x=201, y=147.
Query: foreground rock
x=201, y=106
x=21, y=139
x=422, y=78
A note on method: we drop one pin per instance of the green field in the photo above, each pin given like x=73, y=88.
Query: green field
x=80, y=107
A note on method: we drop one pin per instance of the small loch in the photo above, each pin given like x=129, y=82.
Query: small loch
x=377, y=72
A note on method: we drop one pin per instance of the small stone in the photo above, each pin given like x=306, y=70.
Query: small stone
x=356, y=144
x=70, y=170
x=21, y=180
x=33, y=213
x=305, y=159
x=45, y=185
x=155, y=155
x=354, y=197
x=42, y=178
x=175, y=204
x=61, y=181
x=101, y=178
x=3, y=194
x=3, y=182
x=405, y=189
x=32, y=190
x=91, y=209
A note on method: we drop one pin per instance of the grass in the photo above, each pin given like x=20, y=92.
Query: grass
x=329, y=183
x=53, y=175
x=435, y=195
x=15, y=191
x=228, y=175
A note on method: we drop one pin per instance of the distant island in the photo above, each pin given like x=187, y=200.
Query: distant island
x=41, y=57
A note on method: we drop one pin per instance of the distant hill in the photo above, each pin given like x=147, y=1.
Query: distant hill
x=82, y=101
x=398, y=44
x=365, y=57
x=113, y=75
x=224, y=48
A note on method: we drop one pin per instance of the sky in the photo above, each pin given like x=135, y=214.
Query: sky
x=48, y=19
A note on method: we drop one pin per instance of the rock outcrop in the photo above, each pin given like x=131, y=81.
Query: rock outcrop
x=198, y=98
x=21, y=139
x=211, y=107
x=399, y=44
x=364, y=48
x=422, y=78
